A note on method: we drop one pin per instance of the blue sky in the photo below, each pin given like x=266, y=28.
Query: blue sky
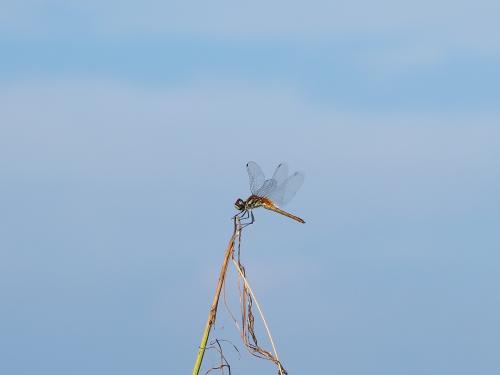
x=125, y=129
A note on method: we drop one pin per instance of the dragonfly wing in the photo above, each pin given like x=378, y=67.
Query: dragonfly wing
x=271, y=185
x=256, y=176
x=281, y=173
x=284, y=193
x=267, y=188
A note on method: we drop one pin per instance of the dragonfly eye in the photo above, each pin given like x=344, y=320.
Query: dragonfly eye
x=239, y=204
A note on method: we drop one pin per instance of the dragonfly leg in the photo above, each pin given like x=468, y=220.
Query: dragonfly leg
x=246, y=215
x=241, y=215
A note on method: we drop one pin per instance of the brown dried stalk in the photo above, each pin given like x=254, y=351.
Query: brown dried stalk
x=213, y=309
x=247, y=298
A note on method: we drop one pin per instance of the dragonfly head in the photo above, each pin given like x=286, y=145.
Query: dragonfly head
x=239, y=204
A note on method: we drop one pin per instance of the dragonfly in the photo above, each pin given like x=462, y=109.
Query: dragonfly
x=270, y=193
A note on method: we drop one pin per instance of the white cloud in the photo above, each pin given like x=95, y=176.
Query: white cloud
x=450, y=24
x=393, y=60
x=104, y=129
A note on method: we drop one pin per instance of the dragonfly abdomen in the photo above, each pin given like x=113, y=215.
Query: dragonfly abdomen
x=271, y=206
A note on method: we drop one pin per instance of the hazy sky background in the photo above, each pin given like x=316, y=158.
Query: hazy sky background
x=124, y=132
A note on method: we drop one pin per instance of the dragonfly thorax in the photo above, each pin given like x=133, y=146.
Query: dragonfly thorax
x=252, y=202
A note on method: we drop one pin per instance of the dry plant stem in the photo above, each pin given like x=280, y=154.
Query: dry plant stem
x=213, y=309
x=260, y=312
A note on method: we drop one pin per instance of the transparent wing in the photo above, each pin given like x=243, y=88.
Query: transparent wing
x=267, y=188
x=256, y=176
x=284, y=192
x=271, y=184
x=281, y=173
